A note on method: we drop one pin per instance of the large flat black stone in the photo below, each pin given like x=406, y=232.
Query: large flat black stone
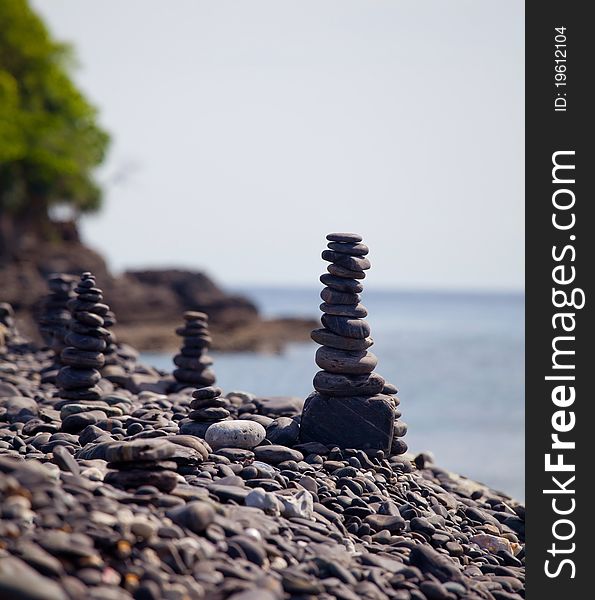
x=352, y=422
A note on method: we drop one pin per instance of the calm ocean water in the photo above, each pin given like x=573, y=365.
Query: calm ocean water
x=457, y=359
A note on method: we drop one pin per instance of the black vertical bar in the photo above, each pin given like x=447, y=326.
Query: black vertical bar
x=559, y=242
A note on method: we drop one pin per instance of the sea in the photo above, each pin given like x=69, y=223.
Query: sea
x=457, y=359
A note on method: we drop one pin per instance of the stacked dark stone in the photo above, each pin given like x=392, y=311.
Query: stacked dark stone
x=111, y=349
x=207, y=407
x=55, y=316
x=193, y=362
x=86, y=341
x=142, y=462
x=351, y=407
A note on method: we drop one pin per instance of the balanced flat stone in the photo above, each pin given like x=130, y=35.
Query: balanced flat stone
x=340, y=284
x=207, y=392
x=354, y=249
x=356, y=311
x=344, y=362
x=328, y=338
x=82, y=358
x=334, y=297
x=353, y=422
x=344, y=237
x=355, y=263
x=70, y=378
x=333, y=384
x=346, y=327
x=339, y=271
x=85, y=342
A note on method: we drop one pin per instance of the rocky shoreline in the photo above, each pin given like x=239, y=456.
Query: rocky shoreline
x=148, y=303
x=249, y=513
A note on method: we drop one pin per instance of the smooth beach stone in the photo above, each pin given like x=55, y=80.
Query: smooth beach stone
x=340, y=271
x=70, y=378
x=208, y=402
x=283, y=431
x=84, y=297
x=85, y=342
x=333, y=360
x=235, y=434
x=78, y=422
x=398, y=446
x=346, y=327
x=210, y=413
x=340, y=284
x=97, y=308
x=193, y=362
x=195, y=428
x=82, y=358
x=326, y=337
x=195, y=315
x=144, y=450
x=207, y=392
x=88, y=318
x=195, y=341
x=164, y=481
x=206, y=377
x=355, y=263
x=334, y=297
x=333, y=384
x=359, y=422
x=354, y=249
x=390, y=389
x=196, y=515
x=393, y=523
x=82, y=329
x=276, y=454
x=92, y=393
x=356, y=311
x=400, y=428
x=344, y=237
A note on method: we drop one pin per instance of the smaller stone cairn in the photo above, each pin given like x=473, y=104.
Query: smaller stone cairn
x=193, y=362
x=86, y=341
x=55, y=316
x=207, y=407
x=352, y=407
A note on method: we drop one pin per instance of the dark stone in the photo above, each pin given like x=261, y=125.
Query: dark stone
x=85, y=342
x=429, y=561
x=334, y=297
x=96, y=308
x=207, y=392
x=390, y=389
x=339, y=271
x=206, y=377
x=340, y=284
x=78, y=422
x=332, y=384
x=164, y=481
x=346, y=327
x=193, y=362
x=354, y=249
x=283, y=431
x=351, y=422
x=82, y=358
x=88, y=318
x=70, y=378
x=344, y=362
x=276, y=454
x=355, y=263
x=196, y=516
x=208, y=402
x=326, y=337
x=344, y=237
x=357, y=311
x=211, y=413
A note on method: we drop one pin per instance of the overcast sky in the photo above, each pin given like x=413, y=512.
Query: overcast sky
x=244, y=131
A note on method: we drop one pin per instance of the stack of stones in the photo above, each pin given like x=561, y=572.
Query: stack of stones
x=86, y=341
x=193, y=362
x=111, y=349
x=55, y=316
x=353, y=407
x=208, y=407
x=137, y=463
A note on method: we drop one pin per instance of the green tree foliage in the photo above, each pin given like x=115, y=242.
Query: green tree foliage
x=49, y=138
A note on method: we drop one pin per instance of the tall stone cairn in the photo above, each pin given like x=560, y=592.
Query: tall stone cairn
x=193, y=362
x=86, y=341
x=55, y=316
x=352, y=407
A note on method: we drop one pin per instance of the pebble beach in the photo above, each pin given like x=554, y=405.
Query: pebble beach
x=119, y=480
